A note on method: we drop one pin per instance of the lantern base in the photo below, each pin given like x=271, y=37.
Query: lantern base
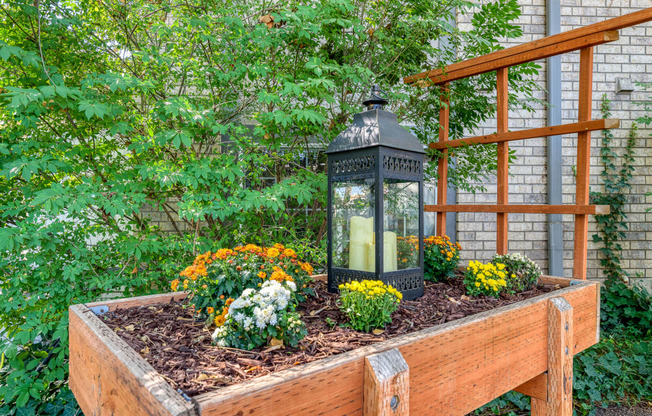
x=408, y=282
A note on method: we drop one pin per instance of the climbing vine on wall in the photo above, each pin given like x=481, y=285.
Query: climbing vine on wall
x=616, y=177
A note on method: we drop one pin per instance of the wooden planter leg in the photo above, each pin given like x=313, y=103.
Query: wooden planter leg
x=386, y=384
x=560, y=362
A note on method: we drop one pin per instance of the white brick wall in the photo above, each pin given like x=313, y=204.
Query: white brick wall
x=630, y=57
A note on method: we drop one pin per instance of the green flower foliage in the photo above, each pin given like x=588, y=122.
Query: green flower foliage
x=368, y=304
x=211, y=114
x=440, y=258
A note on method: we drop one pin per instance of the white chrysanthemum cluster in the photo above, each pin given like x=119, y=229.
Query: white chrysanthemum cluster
x=526, y=271
x=257, y=309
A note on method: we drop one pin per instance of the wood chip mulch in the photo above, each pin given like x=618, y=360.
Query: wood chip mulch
x=179, y=348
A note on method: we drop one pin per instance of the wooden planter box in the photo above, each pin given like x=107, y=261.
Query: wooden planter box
x=448, y=369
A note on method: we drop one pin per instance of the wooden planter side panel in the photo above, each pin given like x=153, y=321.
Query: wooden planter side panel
x=109, y=378
x=454, y=367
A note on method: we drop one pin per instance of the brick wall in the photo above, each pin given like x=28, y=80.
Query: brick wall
x=631, y=58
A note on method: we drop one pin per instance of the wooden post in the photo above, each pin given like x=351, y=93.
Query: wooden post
x=502, y=111
x=583, y=163
x=560, y=362
x=442, y=163
x=386, y=384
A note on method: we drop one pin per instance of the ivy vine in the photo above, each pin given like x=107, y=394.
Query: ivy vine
x=616, y=178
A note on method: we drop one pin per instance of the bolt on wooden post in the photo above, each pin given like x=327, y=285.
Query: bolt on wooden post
x=386, y=384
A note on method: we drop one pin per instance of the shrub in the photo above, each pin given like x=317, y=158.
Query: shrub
x=527, y=272
x=213, y=278
x=440, y=258
x=368, y=304
x=258, y=316
x=486, y=279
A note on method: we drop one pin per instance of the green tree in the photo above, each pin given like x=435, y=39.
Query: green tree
x=212, y=113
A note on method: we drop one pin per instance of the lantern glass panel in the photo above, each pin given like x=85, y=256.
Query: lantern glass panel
x=401, y=225
x=353, y=225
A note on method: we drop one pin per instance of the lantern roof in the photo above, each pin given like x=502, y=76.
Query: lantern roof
x=375, y=128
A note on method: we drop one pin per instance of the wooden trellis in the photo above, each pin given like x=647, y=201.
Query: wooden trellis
x=582, y=39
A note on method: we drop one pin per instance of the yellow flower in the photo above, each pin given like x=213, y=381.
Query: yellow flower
x=273, y=252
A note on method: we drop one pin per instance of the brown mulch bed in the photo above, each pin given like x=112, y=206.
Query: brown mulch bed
x=180, y=349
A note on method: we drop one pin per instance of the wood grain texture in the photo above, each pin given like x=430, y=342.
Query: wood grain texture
x=107, y=377
x=486, y=63
x=502, y=195
x=559, y=400
x=139, y=300
x=386, y=385
x=536, y=387
x=560, y=357
x=442, y=163
x=454, y=367
x=570, y=128
x=525, y=209
x=583, y=164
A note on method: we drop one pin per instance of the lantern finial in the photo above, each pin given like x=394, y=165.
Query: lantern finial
x=376, y=100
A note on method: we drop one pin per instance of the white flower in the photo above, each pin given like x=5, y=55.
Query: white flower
x=237, y=304
x=239, y=317
x=273, y=320
x=281, y=304
x=292, y=286
x=220, y=332
x=248, y=323
x=246, y=293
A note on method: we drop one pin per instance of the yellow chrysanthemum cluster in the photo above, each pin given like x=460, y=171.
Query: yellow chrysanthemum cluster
x=371, y=288
x=485, y=279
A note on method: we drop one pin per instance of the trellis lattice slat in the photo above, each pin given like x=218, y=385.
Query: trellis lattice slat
x=582, y=39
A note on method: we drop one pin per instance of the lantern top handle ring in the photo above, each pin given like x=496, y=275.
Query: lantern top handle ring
x=378, y=99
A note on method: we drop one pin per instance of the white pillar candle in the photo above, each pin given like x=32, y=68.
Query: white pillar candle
x=360, y=236
x=371, y=257
x=389, y=251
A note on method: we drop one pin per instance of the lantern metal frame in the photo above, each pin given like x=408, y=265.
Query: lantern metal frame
x=376, y=147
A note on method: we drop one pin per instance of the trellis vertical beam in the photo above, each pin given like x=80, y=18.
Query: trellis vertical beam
x=442, y=163
x=560, y=362
x=583, y=163
x=502, y=111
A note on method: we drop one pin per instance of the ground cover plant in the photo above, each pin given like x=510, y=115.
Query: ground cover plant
x=136, y=135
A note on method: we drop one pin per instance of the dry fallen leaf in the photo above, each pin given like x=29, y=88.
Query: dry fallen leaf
x=129, y=328
x=201, y=376
x=275, y=347
x=378, y=331
x=145, y=350
x=274, y=342
x=464, y=297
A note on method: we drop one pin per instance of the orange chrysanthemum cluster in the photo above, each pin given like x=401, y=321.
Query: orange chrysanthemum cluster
x=225, y=273
x=444, y=244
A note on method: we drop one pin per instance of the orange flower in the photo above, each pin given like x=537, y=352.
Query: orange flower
x=262, y=275
x=289, y=252
x=174, y=285
x=221, y=296
x=229, y=301
x=273, y=252
x=210, y=310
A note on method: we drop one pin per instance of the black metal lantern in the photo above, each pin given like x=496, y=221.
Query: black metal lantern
x=375, y=202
